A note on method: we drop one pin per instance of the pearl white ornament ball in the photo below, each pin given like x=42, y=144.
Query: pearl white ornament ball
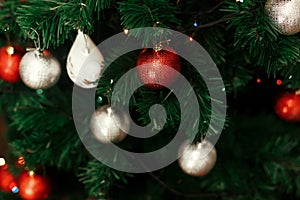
x=197, y=159
x=109, y=125
x=39, y=70
x=285, y=15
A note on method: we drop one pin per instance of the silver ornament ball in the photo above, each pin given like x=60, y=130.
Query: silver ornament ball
x=197, y=159
x=106, y=122
x=39, y=70
x=285, y=15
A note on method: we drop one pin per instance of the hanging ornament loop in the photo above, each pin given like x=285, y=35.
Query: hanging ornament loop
x=160, y=45
x=38, y=52
x=37, y=44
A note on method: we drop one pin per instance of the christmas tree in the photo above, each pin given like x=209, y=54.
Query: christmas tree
x=149, y=99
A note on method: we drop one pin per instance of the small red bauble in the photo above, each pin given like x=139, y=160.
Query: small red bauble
x=10, y=57
x=288, y=107
x=33, y=186
x=156, y=68
x=7, y=181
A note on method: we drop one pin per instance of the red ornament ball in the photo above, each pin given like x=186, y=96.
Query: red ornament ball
x=33, y=186
x=154, y=67
x=7, y=181
x=10, y=57
x=288, y=107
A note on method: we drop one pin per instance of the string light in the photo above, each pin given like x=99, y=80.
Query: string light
x=39, y=91
x=279, y=82
x=126, y=31
x=258, y=80
x=15, y=189
x=191, y=39
x=99, y=99
x=195, y=24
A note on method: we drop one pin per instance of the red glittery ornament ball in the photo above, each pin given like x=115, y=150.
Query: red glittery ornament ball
x=10, y=57
x=7, y=181
x=33, y=186
x=288, y=107
x=156, y=68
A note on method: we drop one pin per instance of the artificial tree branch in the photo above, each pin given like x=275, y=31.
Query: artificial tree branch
x=226, y=18
x=210, y=10
x=174, y=191
x=178, y=193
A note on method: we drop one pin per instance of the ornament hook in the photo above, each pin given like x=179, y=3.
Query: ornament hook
x=37, y=43
x=159, y=46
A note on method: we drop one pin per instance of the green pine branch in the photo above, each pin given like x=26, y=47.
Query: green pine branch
x=56, y=20
x=98, y=178
x=254, y=33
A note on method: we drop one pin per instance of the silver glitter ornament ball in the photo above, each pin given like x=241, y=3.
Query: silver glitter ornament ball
x=285, y=15
x=197, y=159
x=109, y=125
x=39, y=70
